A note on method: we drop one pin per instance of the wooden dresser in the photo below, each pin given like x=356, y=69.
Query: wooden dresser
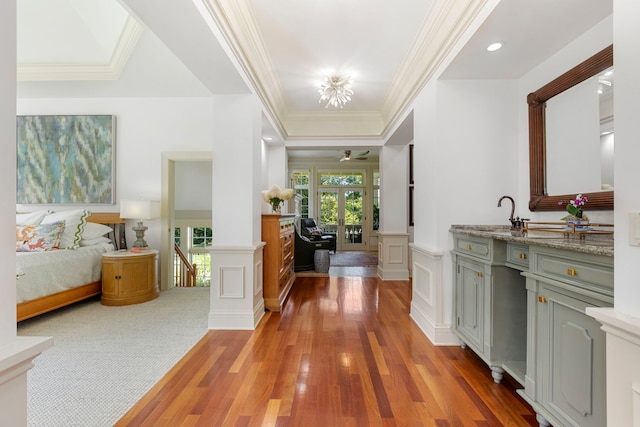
x=278, y=275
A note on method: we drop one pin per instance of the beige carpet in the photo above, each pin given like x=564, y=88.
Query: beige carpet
x=105, y=359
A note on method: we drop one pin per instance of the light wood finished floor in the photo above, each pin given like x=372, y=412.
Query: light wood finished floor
x=343, y=352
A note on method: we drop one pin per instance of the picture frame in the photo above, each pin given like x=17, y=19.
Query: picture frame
x=65, y=159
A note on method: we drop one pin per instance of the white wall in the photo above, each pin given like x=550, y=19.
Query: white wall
x=394, y=193
x=627, y=152
x=193, y=185
x=8, y=166
x=465, y=160
x=276, y=158
x=145, y=127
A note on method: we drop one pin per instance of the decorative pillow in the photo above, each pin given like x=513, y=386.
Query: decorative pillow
x=93, y=230
x=94, y=241
x=75, y=222
x=39, y=238
x=31, y=218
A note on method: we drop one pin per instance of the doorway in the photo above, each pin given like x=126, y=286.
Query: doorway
x=172, y=190
x=341, y=212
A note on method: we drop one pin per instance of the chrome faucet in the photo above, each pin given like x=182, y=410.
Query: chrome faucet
x=516, y=223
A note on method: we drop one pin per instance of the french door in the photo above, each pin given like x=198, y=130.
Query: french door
x=341, y=212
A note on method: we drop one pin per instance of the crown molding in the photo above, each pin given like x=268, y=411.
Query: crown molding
x=129, y=37
x=126, y=44
x=236, y=21
x=444, y=25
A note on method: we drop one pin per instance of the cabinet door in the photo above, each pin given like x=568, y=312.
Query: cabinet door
x=572, y=358
x=110, y=277
x=469, y=301
x=138, y=276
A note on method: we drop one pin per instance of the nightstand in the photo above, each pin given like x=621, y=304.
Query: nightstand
x=129, y=278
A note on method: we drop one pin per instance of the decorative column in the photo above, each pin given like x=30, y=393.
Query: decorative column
x=623, y=370
x=16, y=353
x=393, y=238
x=236, y=256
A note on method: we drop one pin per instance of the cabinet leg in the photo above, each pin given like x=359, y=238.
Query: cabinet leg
x=463, y=345
x=497, y=374
x=542, y=421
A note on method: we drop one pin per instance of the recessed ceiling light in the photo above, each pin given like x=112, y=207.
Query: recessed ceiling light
x=495, y=46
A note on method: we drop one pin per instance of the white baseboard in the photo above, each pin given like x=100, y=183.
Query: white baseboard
x=440, y=335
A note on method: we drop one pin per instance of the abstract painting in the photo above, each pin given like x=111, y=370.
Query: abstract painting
x=66, y=159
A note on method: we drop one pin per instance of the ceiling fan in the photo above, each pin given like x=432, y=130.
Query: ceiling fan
x=348, y=156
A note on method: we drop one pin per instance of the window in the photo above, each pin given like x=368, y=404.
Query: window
x=341, y=178
x=201, y=237
x=301, y=186
x=193, y=245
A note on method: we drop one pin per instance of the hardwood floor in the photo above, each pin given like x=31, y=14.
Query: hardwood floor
x=343, y=352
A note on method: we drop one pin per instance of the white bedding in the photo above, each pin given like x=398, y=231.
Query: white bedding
x=46, y=273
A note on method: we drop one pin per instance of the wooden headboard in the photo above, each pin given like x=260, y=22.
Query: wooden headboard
x=117, y=224
x=106, y=218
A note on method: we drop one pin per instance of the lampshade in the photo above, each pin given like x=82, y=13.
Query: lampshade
x=139, y=209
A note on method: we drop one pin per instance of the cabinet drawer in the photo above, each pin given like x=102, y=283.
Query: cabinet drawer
x=286, y=276
x=476, y=247
x=286, y=227
x=593, y=273
x=518, y=255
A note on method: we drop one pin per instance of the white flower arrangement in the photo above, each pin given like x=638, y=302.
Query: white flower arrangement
x=275, y=196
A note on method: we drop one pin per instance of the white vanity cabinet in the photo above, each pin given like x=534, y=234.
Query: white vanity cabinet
x=490, y=304
x=566, y=382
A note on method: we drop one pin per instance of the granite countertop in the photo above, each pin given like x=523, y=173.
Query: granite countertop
x=592, y=244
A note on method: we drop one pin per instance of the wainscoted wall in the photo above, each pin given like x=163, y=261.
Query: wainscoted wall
x=427, y=303
x=393, y=256
x=236, y=294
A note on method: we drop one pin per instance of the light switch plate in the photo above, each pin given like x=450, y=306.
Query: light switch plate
x=634, y=228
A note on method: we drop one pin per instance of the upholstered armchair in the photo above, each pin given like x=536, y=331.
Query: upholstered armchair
x=310, y=230
x=305, y=250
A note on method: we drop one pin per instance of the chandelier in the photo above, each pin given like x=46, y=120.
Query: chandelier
x=336, y=91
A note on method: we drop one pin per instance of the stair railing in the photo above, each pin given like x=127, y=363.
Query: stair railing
x=187, y=272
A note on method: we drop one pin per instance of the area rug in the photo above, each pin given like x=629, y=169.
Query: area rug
x=354, y=259
x=104, y=359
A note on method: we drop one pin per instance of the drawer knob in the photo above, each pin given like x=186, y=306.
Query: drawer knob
x=522, y=256
x=542, y=299
x=572, y=272
x=480, y=274
x=468, y=247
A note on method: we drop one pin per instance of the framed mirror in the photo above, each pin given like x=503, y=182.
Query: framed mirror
x=540, y=200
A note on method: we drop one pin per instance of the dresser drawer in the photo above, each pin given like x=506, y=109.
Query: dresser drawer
x=589, y=272
x=518, y=255
x=474, y=246
x=286, y=276
x=286, y=227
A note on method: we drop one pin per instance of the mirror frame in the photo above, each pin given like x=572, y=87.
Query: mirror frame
x=539, y=200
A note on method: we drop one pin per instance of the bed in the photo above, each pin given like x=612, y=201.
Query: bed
x=53, y=278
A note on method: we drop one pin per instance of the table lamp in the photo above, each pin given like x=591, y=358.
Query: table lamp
x=140, y=210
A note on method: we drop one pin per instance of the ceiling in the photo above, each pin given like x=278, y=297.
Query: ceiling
x=285, y=47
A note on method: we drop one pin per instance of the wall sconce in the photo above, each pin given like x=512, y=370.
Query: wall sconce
x=140, y=210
